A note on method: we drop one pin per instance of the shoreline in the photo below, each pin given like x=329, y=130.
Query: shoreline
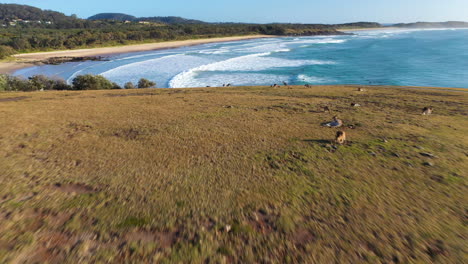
x=366, y=29
x=25, y=60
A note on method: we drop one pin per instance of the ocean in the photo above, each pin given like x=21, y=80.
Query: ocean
x=416, y=57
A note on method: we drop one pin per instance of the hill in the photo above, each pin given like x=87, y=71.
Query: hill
x=125, y=17
x=171, y=20
x=113, y=16
x=13, y=13
x=448, y=24
x=358, y=25
x=233, y=175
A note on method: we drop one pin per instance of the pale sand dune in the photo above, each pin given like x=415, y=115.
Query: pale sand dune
x=29, y=59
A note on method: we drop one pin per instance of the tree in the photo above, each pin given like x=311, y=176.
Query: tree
x=60, y=84
x=129, y=85
x=6, y=51
x=18, y=84
x=145, y=83
x=92, y=82
x=41, y=82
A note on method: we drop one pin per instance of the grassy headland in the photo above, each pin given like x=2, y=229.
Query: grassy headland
x=239, y=175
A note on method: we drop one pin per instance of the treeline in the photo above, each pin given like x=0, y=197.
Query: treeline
x=157, y=19
x=82, y=82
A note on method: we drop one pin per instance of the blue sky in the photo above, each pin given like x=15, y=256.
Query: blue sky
x=266, y=11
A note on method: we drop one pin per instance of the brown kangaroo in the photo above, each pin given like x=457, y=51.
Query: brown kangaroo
x=340, y=137
x=427, y=110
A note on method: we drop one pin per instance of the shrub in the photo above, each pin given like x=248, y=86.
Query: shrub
x=18, y=84
x=129, y=85
x=60, y=84
x=144, y=83
x=3, y=82
x=6, y=51
x=39, y=82
x=116, y=86
x=92, y=82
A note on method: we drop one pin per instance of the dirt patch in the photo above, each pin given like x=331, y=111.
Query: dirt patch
x=74, y=129
x=209, y=224
x=74, y=188
x=14, y=99
x=163, y=239
x=133, y=133
x=436, y=248
x=263, y=222
x=128, y=134
x=49, y=249
x=78, y=127
x=129, y=94
x=303, y=237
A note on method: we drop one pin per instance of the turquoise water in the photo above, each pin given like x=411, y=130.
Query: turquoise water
x=381, y=57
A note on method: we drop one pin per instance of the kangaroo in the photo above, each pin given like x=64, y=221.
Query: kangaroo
x=340, y=137
x=427, y=110
x=335, y=123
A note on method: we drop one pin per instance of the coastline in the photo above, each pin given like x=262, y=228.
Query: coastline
x=25, y=60
x=367, y=29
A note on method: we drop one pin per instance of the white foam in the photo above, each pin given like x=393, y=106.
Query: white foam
x=214, y=51
x=159, y=69
x=142, y=55
x=319, y=41
x=312, y=79
x=251, y=62
x=238, y=79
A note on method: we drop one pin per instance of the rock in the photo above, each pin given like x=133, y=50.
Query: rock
x=372, y=153
x=227, y=228
x=426, y=154
x=429, y=164
x=409, y=164
x=396, y=155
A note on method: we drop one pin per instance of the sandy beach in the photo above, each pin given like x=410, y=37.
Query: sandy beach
x=30, y=59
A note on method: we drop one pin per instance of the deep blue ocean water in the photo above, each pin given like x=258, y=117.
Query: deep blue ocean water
x=436, y=57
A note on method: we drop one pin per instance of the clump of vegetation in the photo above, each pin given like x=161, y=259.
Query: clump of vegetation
x=129, y=85
x=41, y=82
x=145, y=83
x=6, y=51
x=93, y=82
x=82, y=82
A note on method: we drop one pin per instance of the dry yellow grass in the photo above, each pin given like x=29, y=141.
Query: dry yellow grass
x=162, y=175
